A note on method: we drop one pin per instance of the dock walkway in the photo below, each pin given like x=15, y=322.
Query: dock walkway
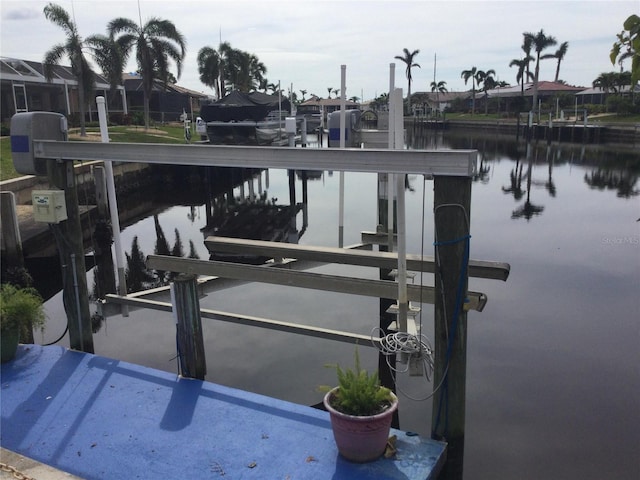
x=100, y=418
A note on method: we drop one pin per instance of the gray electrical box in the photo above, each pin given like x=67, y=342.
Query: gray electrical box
x=49, y=206
x=27, y=127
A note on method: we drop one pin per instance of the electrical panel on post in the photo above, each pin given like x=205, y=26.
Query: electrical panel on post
x=49, y=206
x=27, y=127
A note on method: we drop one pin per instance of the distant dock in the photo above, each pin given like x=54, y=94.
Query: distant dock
x=98, y=418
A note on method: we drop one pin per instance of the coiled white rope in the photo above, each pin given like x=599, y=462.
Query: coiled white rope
x=415, y=346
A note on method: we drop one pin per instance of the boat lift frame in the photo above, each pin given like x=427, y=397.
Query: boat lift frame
x=452, y=172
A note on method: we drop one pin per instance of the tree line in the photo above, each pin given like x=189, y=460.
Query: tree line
x=155, y=44
x=158, y=42
x=534, y=45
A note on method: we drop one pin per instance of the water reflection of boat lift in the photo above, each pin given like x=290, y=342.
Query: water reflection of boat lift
x=257, y=217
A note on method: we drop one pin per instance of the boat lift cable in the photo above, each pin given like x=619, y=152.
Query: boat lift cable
x=60, y=238
x=400, y=342
x=458, y=302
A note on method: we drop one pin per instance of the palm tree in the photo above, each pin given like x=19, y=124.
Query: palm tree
x=257, y=71
x=72, y=48
x=155, y=42
x=527, y=44
x=607, y=82
x=303, y=92
x=209, y=69
x=243, y=70
x=408, y=60
x=274, y=87
x=560, y=53
x=488, y=82
x=539, y=41
x=329, y=89
x=471, y=74
x=486, y=79
x=108, y=56
x=439, y=87
x=522, y=65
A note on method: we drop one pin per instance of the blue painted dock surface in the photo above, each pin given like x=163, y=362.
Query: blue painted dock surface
x=100, y=418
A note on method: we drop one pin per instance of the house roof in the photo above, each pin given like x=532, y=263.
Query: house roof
x=133, y=82
x=442, y=97
x=543, y=87
x=599, y=90
x=328, y=102
x=33, y=72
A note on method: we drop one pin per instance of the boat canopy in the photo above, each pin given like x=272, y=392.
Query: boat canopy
x=238, y=106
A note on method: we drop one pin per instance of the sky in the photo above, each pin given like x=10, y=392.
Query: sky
x=304, y=43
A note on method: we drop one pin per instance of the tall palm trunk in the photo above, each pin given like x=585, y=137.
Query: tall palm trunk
x=82, y=101
x=146, y=95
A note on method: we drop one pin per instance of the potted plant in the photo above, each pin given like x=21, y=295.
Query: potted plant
x=361, y=411
x=20, y=309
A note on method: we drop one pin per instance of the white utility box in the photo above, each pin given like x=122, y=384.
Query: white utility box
x=290, y=125
x=49, y=206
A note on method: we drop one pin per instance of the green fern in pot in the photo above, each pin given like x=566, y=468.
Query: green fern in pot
x=20, y=309
x=361, y=411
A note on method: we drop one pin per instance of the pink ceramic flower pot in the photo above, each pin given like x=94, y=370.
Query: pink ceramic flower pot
x=360, y=439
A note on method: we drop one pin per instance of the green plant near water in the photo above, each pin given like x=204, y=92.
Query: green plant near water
x=18, y=306
x=360, y=392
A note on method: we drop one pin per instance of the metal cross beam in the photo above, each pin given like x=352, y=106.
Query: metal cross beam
x=456, y=163
x=415, y=263
x=318, y=281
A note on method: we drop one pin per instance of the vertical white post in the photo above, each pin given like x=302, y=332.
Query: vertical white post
x=403, y=303
x=113, y=204
x=125, y=108
x=303, y=132
x=66, y=98
x=293, y=105
x=391, y=142
x=343, y=76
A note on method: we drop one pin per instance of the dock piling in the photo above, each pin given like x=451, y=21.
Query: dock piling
x=186, y=307
x=452, y=204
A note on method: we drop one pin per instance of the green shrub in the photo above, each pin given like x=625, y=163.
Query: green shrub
x=359, y=392
x=20, y=307
x=621, y=105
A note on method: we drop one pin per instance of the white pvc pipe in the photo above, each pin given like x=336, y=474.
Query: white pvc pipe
x=403, y=303
x=113, y=204
x=391, y=144
x=343, y=76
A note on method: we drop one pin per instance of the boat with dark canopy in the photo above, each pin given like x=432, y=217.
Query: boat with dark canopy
x=246, y=119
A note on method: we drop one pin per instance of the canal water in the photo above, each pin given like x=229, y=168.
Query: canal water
x=553, y=386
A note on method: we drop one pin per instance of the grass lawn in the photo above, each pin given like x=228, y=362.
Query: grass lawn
x=120, y=134
x=619, y=119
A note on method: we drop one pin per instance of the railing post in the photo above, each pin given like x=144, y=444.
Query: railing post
x=186, y=307
x=452, y=202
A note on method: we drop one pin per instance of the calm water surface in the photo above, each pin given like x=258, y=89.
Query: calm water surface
x=553, y=385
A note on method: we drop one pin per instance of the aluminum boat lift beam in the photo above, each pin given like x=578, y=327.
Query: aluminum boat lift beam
x=457, y=163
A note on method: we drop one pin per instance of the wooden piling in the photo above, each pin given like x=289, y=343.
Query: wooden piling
x=69, y=239
x=186, y=307
x=452, y=204
x=385, y=364
x=103, y=238
x=10, y=231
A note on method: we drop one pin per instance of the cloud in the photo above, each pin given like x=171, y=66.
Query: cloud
x=23, y=13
